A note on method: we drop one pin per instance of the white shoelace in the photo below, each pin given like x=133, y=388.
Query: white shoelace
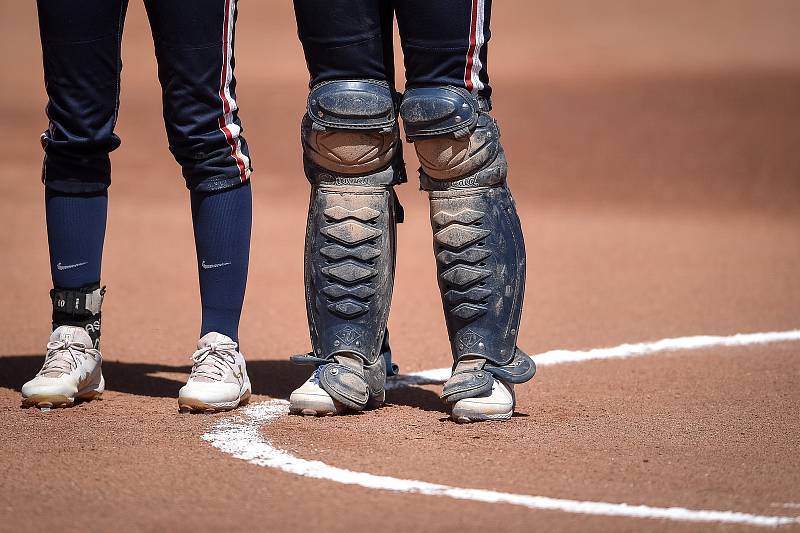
x=65, y=356
x=210, y=360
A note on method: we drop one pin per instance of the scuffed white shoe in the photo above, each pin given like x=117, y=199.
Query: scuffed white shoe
x=498, y=404
x=219, y=380
x=311, y=400
x=71, y=371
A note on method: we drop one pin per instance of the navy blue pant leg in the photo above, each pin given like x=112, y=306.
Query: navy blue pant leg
x=194, y=46
x=444, y=41
x=194, y=42
x=346, y=39
x=81, y=57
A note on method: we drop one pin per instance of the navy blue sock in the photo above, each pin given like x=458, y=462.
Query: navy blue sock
x=76, y=228
x=222, y=222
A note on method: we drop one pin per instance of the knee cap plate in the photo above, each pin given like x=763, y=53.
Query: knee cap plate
x=350, y=128
x=452, y=132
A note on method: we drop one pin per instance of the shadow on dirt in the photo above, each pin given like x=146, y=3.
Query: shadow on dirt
x=276, y=379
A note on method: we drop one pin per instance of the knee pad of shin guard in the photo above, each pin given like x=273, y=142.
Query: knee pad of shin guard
x=452, y=132
x=350, y=128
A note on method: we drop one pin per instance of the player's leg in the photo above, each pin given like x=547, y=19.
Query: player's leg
x=352, y=159
x=195, y=68
x=478, y=243
x=81, y=57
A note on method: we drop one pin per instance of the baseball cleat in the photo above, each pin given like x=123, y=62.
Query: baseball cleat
x=71, y=371
x=497, y=404
x=219, y=380
x=311, y=400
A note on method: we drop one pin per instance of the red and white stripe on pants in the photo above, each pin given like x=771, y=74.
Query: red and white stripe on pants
x=477, y=39
x=227, y=126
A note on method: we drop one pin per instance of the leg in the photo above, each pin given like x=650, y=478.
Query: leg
x=478, y=240
x=81, y=57
x=195, y=68
x=352, y=159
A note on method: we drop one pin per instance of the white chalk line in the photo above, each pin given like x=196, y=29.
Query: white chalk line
x=240, y=436
x=557, y=357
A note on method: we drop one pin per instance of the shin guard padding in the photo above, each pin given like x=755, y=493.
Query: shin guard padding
x=350, y=269
x=480, y=257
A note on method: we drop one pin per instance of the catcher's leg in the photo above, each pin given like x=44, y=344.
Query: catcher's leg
x=480, y=254
x=352, y=158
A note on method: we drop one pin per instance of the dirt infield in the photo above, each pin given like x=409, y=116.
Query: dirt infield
x=654, y=159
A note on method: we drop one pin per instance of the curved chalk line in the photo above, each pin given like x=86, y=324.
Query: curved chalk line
x=240, y=436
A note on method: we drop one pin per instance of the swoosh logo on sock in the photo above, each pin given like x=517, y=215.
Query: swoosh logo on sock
x=67, y=267
x=215, y=265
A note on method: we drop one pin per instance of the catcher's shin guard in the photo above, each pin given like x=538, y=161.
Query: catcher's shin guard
x=352, y=158
x=477, y=238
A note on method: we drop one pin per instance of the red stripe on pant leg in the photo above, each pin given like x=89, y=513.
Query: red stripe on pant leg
x=225, y=22
x=226, y=108
x=471, y=49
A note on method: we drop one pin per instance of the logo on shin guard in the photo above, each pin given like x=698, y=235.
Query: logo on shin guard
x=470, y=181
x=351, y=181
x=468, y=340
x=348, y=335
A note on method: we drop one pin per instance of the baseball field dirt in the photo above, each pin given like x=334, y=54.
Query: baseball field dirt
x=654, y=157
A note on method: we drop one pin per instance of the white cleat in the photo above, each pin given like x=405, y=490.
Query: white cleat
x=311, y=400
x=219, y=380
x=71, y=371
x=495, y=405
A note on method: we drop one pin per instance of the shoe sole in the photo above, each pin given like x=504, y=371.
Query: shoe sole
x=53, y=401
x=467, y=417
x=193, y=405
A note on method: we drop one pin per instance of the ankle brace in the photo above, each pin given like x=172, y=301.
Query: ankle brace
x=79, y=307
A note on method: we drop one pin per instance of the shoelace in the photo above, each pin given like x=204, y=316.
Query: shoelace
x=210, y=360
x=65, y=356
